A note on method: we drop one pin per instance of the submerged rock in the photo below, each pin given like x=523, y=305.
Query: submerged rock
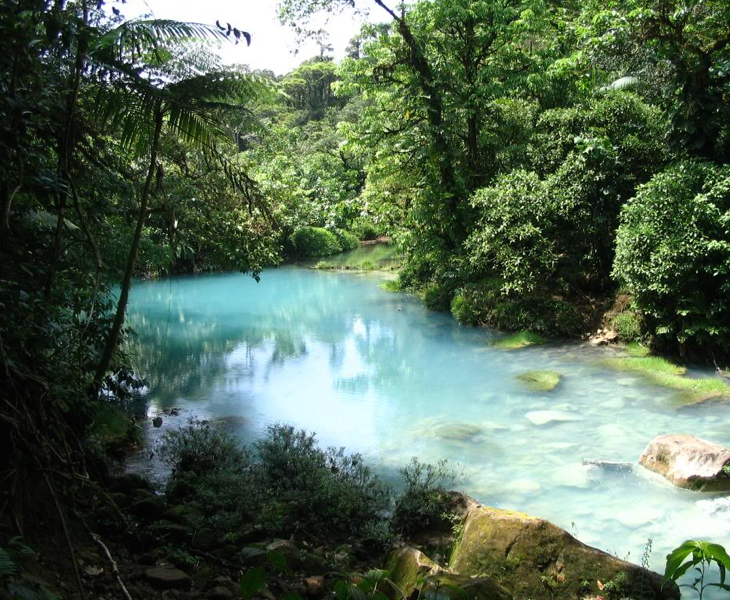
x=540, y=381
x=533, y=558
x=456, y=432
x=609, y=466
x=689, y=462
x=546, y=417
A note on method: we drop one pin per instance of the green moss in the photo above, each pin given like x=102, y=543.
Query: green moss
x=407, y=568
x=665, y=373
x=648, y=365
x=519, y=340
x=323, y=265
x=540, y=381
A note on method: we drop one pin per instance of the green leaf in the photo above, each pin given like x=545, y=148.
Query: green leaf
x=676, y=558
x=341, y=589
x=252, y=582
x=277, y=559
x=356, y=593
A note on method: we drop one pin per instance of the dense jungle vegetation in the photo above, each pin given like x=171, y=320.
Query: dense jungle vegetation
x=542, y=166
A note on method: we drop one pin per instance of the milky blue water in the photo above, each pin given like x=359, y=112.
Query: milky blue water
x=377, y=373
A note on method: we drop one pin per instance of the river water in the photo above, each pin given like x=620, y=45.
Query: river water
x=377, y=373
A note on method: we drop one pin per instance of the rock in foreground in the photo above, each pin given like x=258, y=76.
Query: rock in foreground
x=533, y=558
x=166, y=578
x=689, y=462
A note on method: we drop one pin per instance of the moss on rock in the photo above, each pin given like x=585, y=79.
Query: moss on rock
x=536, y=559
x=407, y=567
x=540, y=381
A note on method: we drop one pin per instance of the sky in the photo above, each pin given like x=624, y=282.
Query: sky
x=272, y=46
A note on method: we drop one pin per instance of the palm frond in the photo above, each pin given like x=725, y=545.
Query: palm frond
x=138, y=37
x=195, y=128
x=226, y=87
x=128, y=113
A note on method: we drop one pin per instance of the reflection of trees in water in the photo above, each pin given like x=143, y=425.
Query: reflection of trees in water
x=196, y=338
x=180, y=359
x=183, y=344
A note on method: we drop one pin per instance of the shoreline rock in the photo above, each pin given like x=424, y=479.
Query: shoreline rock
x=689, y=462
x=501, y=555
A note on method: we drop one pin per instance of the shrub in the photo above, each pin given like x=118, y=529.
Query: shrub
x=484, y=303
x=365, y=230
x=513, y=236
x=437, y=297
x=200, y=448
x=628, y=325
x=346, y=240
x=314, y=241
x=471, y=303
x=673, y=254
x=425, y=500
x=324, y=487
x=282, y=483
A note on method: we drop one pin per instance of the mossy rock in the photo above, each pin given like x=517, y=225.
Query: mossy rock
x=535, y=559
x=407, y=568
x=540, y=381
x=463, y=587
x=522, y=339
x=418, y=576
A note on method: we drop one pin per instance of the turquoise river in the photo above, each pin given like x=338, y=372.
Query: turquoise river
x=376, y=372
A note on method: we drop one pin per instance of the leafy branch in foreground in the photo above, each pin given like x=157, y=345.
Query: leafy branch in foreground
x=699, y=555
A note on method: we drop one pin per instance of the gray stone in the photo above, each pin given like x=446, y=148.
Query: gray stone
x=205, y=538
x=288, y=550
x=220, y=593
x=547, y=417
x=689, y=462
x=167, y=578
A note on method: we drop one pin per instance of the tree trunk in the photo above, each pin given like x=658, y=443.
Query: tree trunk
x=113, y=339
x=453, y=189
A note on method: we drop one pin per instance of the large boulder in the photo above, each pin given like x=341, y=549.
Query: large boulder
x=533, y=558
x=689, y=462
x=417, y=576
